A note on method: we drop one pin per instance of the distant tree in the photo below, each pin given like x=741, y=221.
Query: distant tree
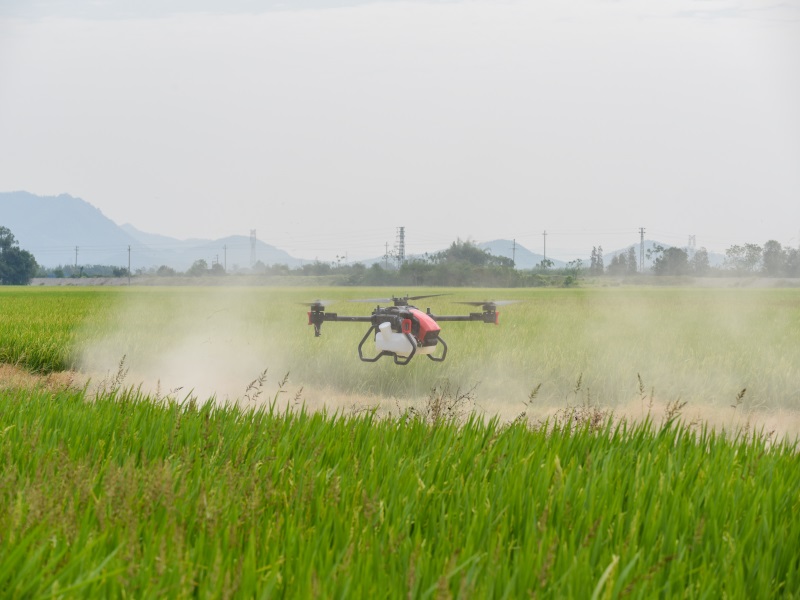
x=415, y=271
x=165, y=271
x=618, y=264
x=17, y=266
x=743, y=260
x=793, y=262
x=574, y=267
x=671, y=261
x=699, y=264
x=773, y=259
x=545, y=264
x=468, y=253
x=198, y=268
x=632, y=268
x=316, y=268
x=217, y=269
x=596, y=261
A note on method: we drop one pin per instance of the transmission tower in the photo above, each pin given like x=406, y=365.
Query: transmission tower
x=252, y=248
x=401, y=246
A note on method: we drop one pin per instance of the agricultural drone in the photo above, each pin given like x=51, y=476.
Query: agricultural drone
x=401, y=330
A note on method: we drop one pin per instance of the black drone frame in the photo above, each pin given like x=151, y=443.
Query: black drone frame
x=397, y=315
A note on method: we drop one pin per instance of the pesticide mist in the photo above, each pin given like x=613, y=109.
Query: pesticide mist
x=726, y=356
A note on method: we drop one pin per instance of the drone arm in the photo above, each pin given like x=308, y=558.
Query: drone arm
x=318, y=317
x=490, y=317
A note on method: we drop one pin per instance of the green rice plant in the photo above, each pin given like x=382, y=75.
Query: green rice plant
x=121, y=495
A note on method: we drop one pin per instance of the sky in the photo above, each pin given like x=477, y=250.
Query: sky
x=325, y=125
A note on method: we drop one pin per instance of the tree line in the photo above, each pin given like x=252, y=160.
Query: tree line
x=462, y=264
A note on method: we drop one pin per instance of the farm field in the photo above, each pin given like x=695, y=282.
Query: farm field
x=618, y=348
x=550, y=456
x=128, y=496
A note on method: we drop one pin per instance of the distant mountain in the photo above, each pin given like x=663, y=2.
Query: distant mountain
x=523, y=258
x=63, y=230
x=51, y=227
x=235, y=250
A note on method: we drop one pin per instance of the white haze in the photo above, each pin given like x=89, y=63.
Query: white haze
x=324, y=130
x=199, y=343
x=702, y=348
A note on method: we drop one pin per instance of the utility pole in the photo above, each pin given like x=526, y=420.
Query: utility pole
x=544, y=238
x=514, y=254
x=641, y=249
x=76, y=257
x=386, y=257
x=225, y=250
x=252, y=248
x=129, y=265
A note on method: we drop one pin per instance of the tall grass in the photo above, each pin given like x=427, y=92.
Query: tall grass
x=124, y=496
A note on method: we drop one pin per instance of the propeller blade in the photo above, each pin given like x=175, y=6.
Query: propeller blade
x=485, y=302
x=397, y=300
x=374, y=300
x=426, y=296
x=316, y=303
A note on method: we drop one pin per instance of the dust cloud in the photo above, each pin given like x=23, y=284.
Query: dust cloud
x=206, y=343
x=729, y=358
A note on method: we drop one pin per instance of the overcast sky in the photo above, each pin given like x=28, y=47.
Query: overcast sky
x=326, y=125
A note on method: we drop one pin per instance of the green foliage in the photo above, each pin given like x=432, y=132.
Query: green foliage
x=126, y=496
x=17, y=266
x=165, y=271
x=596, y=261
x=743, y=260
x=623, y=263
x=198, y=268
x=670, y=261
x=699, y=263
x=774, y=259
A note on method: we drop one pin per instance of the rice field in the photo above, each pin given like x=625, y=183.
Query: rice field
x=124, y=496
x=700, y=346
x=550, y=456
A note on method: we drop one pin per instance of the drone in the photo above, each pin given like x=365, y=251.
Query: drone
x=401, y=330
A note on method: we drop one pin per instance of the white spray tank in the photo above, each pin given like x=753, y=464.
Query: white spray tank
x=392, y=341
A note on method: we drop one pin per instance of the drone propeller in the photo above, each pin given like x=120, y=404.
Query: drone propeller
x=397, y=300
x=489, y=302
x=317, y=304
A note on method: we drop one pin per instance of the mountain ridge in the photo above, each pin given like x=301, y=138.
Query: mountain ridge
x=64, y=230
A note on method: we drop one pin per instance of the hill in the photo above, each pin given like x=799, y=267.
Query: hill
x=64, y=230
x=523, y=258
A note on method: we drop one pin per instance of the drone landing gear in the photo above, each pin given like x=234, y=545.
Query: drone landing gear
x=398, y=360
x=444, y=352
